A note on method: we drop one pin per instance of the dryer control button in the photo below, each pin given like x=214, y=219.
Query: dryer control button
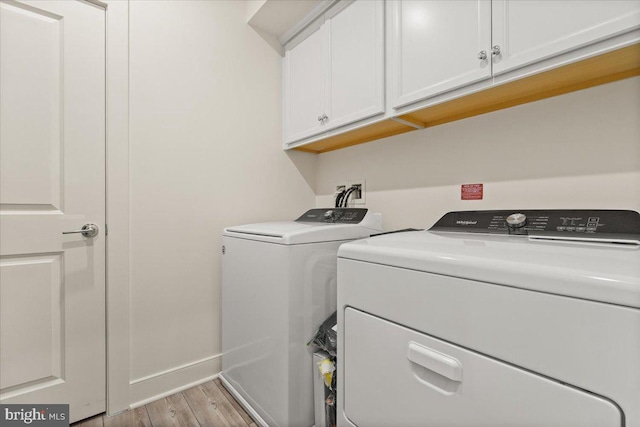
x=516, y=220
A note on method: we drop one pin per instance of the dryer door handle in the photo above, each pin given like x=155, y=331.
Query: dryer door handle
x=435, y=361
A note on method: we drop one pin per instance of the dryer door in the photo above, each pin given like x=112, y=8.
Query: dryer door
x=395, y=376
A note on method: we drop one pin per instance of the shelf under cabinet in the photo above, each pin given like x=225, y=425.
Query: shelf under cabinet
x=609, y=67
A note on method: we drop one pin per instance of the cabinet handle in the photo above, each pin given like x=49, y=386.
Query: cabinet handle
x=324, y=118
x=495, y=51
x=320, y=118
x=482, y=55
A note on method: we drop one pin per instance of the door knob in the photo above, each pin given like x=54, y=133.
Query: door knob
x=495, y=50
x=482, y=55
x=87, y=230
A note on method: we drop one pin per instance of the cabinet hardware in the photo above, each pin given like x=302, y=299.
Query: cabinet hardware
x=495, y=51
x=482, y=55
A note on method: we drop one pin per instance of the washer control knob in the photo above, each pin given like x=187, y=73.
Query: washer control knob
x=328, y=214
x=516, y=220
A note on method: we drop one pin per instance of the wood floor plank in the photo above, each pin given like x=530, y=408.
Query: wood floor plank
x=138, y=417
x=239, y=409
x=207, y=405
x=172, y=411
x=204, y=408
x=91, y=422
x=225, y=408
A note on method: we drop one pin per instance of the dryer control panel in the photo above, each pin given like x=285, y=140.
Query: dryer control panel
x=334, y=215
x=577, y=224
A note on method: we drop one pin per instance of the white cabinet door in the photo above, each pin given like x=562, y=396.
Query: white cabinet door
x=527, y=31
x=334, y=71
x=356, y=70
x=435, y=46
x=304, y=77
x=52, y=180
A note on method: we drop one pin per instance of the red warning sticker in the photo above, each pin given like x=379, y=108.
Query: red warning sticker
x=471, y=192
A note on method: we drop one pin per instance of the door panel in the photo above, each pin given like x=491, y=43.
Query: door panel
x=531, y=30
x=31, y=125
x=52, y=179
x=36, y=356
x=357, y=63
x=305, y=74
x=436, y=45
x=397, y=376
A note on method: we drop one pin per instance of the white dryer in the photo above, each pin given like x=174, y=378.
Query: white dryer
x=493, y=319
x=278, y=286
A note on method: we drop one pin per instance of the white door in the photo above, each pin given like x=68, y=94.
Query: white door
x=530, y=31
x=52, y=180
x=305, y=64
x=429, y=382
x=356, y=69
x=437, y=45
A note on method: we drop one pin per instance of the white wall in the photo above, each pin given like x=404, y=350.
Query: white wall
x=580, y=150
x=205, y=153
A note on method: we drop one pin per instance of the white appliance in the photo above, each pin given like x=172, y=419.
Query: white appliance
x=278, y=286
x=493, y=319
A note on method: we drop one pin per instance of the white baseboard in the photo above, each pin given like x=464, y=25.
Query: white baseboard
x=241, y=400
x=162, y=384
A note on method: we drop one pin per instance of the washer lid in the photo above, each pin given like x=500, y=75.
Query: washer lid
x=295, y=233
x=314, y=226
x=603, y=272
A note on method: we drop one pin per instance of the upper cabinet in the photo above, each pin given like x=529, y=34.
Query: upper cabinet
x=525, y=32
x=334, y=70
x=437, y=46
x=356, y=71
x=356, y=62
x=305, y=81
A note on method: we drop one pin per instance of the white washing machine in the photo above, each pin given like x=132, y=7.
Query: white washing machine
x=278, y=286
x=493, y=319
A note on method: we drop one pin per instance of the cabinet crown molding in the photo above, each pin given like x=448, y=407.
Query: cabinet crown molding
x=278, y=21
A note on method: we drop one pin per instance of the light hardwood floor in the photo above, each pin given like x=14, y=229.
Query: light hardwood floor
x=208, y=404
